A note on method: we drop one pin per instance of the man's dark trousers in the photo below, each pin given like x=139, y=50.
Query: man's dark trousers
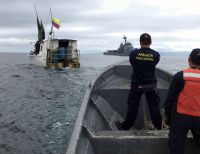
x=153, y=101
x=180, y=126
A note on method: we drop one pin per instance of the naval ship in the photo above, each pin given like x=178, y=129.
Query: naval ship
x=123, y=50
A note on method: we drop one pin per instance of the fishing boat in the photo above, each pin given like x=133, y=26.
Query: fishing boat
x=53, y=52
x=104, y=103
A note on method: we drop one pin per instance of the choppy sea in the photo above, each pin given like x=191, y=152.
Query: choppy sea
x=38, y=106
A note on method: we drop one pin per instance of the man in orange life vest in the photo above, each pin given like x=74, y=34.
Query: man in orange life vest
x=182, y=105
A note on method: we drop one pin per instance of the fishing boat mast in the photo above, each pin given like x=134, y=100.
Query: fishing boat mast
x=51, y=33
x=40, y=27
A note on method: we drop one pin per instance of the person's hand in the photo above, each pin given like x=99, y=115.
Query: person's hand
x=168, y=121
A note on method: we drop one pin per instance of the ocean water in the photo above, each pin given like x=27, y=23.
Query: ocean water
x=38, y=106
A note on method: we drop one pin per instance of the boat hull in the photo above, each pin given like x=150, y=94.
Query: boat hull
x=37, y=60
x=104, y=103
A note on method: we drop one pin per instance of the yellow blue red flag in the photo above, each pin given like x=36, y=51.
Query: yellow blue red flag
x=56, y=23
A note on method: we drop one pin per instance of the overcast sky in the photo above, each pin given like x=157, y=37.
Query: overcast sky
x=99, y=25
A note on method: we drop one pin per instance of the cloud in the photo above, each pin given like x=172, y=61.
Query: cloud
x=16, y=45
x=14, y=41
x=100, y=24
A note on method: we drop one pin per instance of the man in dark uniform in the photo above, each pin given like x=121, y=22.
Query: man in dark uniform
x=182, y=104
x=143, y=61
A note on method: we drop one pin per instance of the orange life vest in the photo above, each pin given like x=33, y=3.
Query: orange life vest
x=189, y=98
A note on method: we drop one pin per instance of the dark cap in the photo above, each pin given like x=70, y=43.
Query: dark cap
x=145, y=39
x=195, y=56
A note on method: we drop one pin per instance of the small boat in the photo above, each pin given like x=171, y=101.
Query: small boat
x=53, y=52
x=104, y=102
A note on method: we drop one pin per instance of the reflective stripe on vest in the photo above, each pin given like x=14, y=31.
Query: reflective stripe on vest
x=189, y=98
x=195, y=75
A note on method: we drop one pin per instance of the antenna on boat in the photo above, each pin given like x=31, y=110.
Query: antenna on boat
x=124, y=37
x=36, y=11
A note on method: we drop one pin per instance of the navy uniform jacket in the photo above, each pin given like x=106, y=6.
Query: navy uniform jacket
x=144, y=61
x=175, y=88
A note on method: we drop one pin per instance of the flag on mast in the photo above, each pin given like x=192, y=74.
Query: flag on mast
x=56, y=23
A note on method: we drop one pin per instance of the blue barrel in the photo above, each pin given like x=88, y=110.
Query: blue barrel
x=61, y=53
